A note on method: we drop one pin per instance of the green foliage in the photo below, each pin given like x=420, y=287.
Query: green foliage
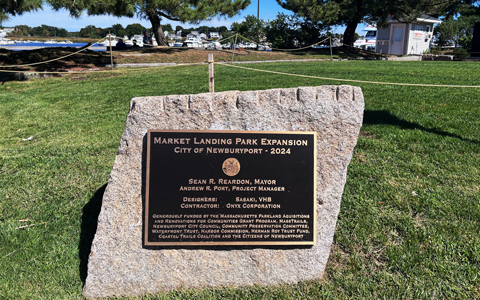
x=356, y=36
x=167, y=27
x=350, y=13
x=286, y=31
x=280, y=32
x=446, y=31
x=251, y=28
x=135, y=28
x=456, y=31
x=222, y=29
x=91, y=31
x=43, y=30
x=24, y=29
x=186, y=11
x=437, y=50
x=201, y=29
x=460, y=53
x=18, y=7
x=307, y=31
x=464, y=8
x=116, y=29
x=289, y=31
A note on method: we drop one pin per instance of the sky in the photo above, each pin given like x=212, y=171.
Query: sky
x=61, y=19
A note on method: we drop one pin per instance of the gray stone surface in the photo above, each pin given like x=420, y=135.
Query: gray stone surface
x=118, y=265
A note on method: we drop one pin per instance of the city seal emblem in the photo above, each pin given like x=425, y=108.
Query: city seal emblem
x=231, y=167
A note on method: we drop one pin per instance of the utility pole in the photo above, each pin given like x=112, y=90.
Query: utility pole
x=258, y=24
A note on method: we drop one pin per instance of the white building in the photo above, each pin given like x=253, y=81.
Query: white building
x=5, y=31
x=214, y=35
x=406, y=38
x=193, y=35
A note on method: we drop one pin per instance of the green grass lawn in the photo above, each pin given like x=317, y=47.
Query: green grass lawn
x=410, y=217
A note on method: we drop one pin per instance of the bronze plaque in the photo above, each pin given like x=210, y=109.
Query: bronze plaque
x=230, y=188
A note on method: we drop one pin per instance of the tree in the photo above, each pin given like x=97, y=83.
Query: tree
x=18, y=7
x=445, y=32
x=289, y=31
x=222, y=29
x=186, y=11
x=251, y=28
x=118, y=30
x=464, y=8
x=91, y=31
x=134, y=28
x=456, y=31
x=308, y=32
x=178, y=28
x=25, y=29
x=167, y=27
x=350, y=13
x=203, y=29
x=280, y=32
x=186, y=31
x=356, y=36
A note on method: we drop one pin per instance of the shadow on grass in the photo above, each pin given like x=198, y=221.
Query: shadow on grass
x=375, y=117
x=90, y=213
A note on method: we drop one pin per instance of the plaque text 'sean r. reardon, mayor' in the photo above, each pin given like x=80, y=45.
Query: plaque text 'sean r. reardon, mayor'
x=230, y=188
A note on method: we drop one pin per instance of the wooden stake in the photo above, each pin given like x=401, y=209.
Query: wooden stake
x=234, y=46
x=331, y=55
x=111, y=54
x=211, y=83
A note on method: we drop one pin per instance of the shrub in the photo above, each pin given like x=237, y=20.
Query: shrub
x=460, y=53
x=437, y=50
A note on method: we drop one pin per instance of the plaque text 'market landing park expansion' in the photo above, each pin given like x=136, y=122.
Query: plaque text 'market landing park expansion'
x=230, y=188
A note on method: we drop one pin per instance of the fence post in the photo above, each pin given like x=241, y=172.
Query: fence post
x=211, y=83
x=234, y=46
x=331, y=55
x=110, y=44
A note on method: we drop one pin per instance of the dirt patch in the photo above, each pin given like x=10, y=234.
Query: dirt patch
x=31, y=60
x=134, y=54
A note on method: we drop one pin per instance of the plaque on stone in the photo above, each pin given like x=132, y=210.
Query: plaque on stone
x=230, y=188
x=120, y=264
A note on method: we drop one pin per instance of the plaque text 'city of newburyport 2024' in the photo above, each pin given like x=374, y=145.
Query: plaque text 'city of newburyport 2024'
x=230, y=188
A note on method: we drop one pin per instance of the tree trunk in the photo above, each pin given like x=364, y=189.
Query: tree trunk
x=349, y=34
x=157, y=29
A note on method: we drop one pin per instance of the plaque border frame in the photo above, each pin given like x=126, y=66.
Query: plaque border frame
x=233, y=243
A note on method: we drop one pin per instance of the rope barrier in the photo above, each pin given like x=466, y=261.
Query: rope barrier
x=225, y=39
x=51, y=60
x=106, y=71
x=234, y=66
x=352, y=80
x=59, y=58
x=297, y=49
